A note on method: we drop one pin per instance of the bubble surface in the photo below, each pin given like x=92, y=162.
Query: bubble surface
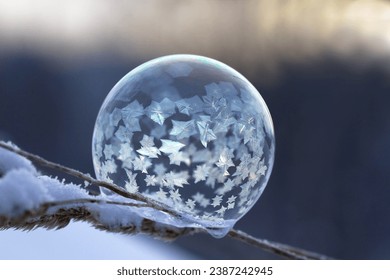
x=189, y=132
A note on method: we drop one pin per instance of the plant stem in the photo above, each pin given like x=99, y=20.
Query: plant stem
x=281, y=250
x=77, y=174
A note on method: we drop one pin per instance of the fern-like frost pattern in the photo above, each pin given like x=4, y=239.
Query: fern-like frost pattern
x=195, y=136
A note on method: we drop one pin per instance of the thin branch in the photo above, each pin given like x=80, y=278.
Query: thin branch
x=279, y=249
x=77, y=174
x=63, y=216
x=91, y=200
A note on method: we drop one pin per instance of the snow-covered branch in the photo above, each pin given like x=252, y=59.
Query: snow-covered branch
x=29, y=200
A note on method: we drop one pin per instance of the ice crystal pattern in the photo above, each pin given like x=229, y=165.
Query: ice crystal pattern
x=191, y=133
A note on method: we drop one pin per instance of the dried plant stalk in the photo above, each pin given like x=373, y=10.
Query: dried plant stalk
x=62, y=217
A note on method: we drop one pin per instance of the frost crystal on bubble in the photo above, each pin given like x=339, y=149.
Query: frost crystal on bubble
x=206, y=133
x=108, y=152
x=170, y=147
x=161, y=195
x=225, y=161
x=132, y=124
x=132, y=110
x=217, y=200
x=190, y=204
x=201, y=172
x=159, y=111
x=148, y=148
x=175, y=195
x=151, y=180
x=178, y=158
x=189, y=106
x=131, y=184
x=142, y=164
x=221, y=211
x=191, y=133
x=124, y=134
x=183, y=129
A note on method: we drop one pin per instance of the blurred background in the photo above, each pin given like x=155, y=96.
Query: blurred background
x=323, y=68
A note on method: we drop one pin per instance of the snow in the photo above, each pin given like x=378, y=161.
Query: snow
x=10, y=161
x=62, y=191
x=23, y=189
x=80, y=241
x=20, y=191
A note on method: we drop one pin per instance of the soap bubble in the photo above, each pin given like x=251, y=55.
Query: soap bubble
x=191, y=133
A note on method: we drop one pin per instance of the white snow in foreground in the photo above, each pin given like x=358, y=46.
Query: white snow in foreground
x=10, y=161
x=20, y=190
x=23, y=189
x=81, y=241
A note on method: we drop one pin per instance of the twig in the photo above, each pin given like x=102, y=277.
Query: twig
x=279, y=249
x=75, y=173
x=91, y=200
x=62, y=217
x=147, y=226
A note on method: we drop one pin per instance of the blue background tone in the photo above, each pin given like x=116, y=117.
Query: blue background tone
x=321, y=68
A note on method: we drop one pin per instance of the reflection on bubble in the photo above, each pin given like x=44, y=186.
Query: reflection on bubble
x=191, y=133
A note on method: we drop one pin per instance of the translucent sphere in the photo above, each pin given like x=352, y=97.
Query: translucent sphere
x=189, y=132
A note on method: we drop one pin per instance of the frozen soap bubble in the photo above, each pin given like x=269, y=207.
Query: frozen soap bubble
x=189, y=132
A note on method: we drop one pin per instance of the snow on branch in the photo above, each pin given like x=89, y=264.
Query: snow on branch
x=29, y=200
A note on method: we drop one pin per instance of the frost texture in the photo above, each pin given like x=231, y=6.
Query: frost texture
x=193, y=134
x=9, y=161
x=20, y=191
x=23, y=190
